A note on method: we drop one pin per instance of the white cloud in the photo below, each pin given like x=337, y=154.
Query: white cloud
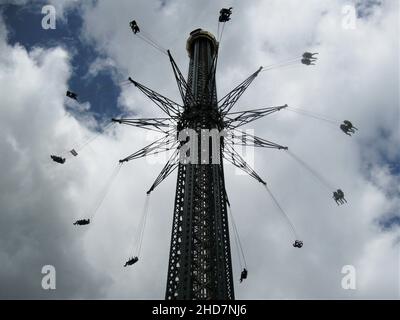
x=99, y=65
x=32, y=209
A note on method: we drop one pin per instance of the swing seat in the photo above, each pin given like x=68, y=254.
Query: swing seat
x=298, y=244
x=131, y=261
x=82, y=222
x=134, y=26
x=72, y=95
x=57, y=159
x=243, y=275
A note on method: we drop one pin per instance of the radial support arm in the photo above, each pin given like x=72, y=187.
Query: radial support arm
x=241, y=138
x=233, y=157
x=165, y=143
x=237, y=119
x=228, y=101
x=154, y=124
x=170, y=107
x=184, y=90
x=169, y=167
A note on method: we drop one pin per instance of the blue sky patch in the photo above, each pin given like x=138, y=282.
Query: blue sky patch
x=24, y=24
x=365, y=8
x=389, y=222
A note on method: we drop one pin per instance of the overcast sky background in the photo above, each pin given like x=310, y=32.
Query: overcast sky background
x=93, y=50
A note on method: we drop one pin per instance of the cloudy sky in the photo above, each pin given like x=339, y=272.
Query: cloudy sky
x=92, y=51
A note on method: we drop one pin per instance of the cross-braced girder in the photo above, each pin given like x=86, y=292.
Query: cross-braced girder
x=169, y=167
x=242, y=138
x=165, y=143
x=199, y=266
x=229, y=100
x=171, y=108
x=232, y=156
x=184, y=89
x=162, y=125
x=237, y=119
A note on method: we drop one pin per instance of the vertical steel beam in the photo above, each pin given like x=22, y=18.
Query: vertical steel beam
x=200, y=259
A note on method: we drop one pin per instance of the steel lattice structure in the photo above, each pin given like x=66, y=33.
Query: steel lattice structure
x=200, y=255
x=200, y=258
x=200, y=133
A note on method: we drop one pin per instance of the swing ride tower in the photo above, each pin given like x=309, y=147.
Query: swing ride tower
x=200, y=253
x=200, y=258
x=200, y=265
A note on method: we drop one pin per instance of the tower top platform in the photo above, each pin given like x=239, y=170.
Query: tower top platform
x=197, y=34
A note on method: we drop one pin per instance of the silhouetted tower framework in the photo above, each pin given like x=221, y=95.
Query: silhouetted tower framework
x=200, y=258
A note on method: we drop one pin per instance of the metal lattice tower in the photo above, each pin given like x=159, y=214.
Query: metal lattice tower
x=200, y=257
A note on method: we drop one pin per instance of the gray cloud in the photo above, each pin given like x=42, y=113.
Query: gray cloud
x=35, y=216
